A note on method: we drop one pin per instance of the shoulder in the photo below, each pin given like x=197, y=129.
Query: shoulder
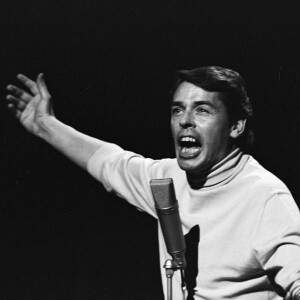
x=261, y=187
x=165, y=168
x=259, y=177
x=270, y=197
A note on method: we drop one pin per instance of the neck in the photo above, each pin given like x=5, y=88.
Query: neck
x=217, y=173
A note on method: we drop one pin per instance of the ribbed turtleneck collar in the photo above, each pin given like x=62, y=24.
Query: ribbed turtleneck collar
x=219, y=173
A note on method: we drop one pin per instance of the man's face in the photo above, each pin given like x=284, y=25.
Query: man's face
x=200, y=127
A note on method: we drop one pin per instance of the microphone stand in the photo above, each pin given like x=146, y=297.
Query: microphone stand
x=172, y=265
x=166, y=206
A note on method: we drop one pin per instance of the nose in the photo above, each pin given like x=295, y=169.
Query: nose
x=187, y=120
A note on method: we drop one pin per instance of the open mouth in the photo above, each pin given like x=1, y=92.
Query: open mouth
x=189, y=147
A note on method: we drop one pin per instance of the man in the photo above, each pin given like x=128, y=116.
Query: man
x=245, y=219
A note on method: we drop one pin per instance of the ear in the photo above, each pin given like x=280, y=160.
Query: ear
x=237, y=128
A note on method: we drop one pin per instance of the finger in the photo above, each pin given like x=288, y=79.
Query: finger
x=16, y=102
x=29, y=83
x=41, y=84
x=17, y=113
x=19, y=93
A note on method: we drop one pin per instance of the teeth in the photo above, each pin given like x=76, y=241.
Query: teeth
x=189, y=150
x=188, y=139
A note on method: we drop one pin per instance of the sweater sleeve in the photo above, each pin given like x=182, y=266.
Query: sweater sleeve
x=277, y=243
x=127, y=174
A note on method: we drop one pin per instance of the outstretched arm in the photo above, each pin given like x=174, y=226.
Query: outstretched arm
x=33, y=108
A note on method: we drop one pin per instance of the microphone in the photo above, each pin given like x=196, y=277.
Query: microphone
x=166, y=207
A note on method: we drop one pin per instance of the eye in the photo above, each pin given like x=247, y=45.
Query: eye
x=202, y=109
x=175, y=110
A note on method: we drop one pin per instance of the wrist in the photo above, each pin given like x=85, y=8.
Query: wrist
x=48, y=128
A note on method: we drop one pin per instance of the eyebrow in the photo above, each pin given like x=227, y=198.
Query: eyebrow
x=195, y=103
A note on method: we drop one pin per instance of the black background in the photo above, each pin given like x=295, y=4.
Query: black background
x=108, y=65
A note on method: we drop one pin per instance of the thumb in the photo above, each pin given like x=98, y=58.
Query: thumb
x=42, y=87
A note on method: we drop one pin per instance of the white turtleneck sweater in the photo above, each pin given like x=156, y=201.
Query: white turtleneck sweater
x=248, y=223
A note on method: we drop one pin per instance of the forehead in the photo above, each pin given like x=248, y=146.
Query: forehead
x=188, y=92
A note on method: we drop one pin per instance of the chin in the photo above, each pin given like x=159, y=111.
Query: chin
x=189, y=166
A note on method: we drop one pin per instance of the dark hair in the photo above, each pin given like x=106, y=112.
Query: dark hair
x=230, y=84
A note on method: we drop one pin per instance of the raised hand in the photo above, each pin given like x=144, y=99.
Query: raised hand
x=31, y=105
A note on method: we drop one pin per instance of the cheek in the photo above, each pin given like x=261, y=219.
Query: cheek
x=216, y=133
x=173, y=128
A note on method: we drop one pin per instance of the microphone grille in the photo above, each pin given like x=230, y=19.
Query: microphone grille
x=163, y=192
